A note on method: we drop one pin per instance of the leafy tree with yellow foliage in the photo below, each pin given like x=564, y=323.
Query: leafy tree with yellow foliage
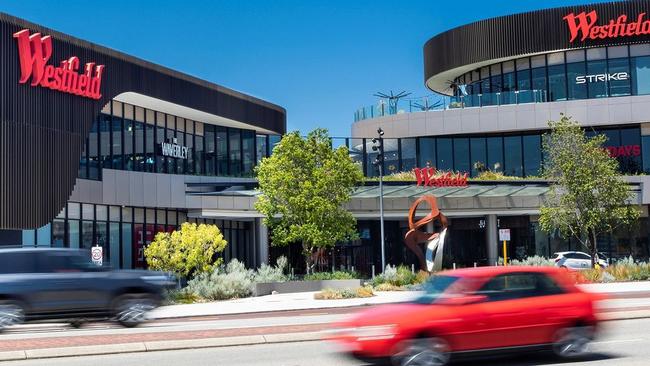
x=187, y=252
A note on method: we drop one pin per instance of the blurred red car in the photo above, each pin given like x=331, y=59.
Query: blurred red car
x=468, y=312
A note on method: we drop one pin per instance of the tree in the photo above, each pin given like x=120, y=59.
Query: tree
x=304, y=185
x=587, y=195
x=188, y=251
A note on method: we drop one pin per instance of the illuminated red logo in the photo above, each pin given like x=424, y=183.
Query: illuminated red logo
x=34, y=52
x=584, y=26
x=625, y=150
x=431, y=177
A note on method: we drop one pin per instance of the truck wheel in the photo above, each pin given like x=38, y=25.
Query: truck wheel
x=11, y=313
x=131, y=309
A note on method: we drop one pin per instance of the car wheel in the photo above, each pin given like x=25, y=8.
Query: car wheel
x=572, y=342
x=77, y=323
x=131, y=309
x=423, y=352
x=11, y=313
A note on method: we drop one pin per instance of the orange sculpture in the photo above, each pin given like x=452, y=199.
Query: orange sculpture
x=435, y=241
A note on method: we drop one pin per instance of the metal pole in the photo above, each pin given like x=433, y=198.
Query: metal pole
x=381, y=214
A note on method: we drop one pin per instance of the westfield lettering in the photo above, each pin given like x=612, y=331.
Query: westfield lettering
x=35, y=51
x=584, y=26
x=430, y=177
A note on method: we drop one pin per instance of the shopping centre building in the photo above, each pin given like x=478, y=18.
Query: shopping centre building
x=498, y=82
x=101, y=148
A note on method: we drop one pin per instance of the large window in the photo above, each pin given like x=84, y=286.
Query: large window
x=556, y=82
x=445, y=154
x=532, y=155
x=478, y=155
x=461, y=154
x=408, y=155
x=513, y=156
x=427, y=156
x=495, y=154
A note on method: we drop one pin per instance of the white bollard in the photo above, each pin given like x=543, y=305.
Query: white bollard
x=292, y=274
x=412, y=268
x=352, y=269
x=373, y=271
x=454, y=265
x=474, y=264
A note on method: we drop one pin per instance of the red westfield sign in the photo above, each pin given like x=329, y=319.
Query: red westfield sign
x=433, y=178
x=584, y=26
x=34, y=52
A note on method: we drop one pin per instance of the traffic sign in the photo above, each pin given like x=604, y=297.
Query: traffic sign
x=504, y=234
x=97, y=255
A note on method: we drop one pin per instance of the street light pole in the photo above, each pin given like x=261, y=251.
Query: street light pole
x=378, y=145
x=381, y=216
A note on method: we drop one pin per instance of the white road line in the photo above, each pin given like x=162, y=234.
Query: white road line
x=620, y=341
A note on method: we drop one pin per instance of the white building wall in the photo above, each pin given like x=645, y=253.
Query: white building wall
x=508, y=118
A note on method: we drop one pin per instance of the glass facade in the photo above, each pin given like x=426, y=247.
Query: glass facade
x=517, y=155
x=124, y=232
x=567, y=75
x=128, y=137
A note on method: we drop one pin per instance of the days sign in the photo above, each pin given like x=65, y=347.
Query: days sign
x=584, y=26
x=97, y=255
x=35, y=51
x=430, y=177
x=595, y=78
x=504, y=234
x=624, y=150
x=173, y=149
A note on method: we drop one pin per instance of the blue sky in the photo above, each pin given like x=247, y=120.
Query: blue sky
x=321, y=60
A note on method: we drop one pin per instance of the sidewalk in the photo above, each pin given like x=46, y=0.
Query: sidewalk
x=305, y=300
x=278, y=302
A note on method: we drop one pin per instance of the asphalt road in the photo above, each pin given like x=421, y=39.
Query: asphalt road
x=624, y=343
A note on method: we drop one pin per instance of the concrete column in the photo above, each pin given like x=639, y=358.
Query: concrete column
x=491, y=239
x=262, y=241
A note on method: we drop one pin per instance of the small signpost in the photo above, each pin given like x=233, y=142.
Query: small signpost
x=504, y=235
x=97, y=255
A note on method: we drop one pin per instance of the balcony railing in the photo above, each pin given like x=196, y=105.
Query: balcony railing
x=437, y=102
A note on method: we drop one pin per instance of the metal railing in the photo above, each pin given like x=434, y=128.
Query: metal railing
x=437, y=102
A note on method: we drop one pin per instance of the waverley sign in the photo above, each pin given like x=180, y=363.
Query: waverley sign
x=34, y=51
x=584, y=26
x=173, y=149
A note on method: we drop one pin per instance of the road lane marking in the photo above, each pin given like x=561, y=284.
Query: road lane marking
x=619, y=341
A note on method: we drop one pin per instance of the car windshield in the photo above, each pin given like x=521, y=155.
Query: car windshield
x=434, y=287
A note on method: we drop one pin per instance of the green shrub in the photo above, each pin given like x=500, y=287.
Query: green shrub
x=182, y=296
x=337, y=294
x=336, y=275
x=397, y=277
x=233, y=281
x=275, y=273
x=535, y=260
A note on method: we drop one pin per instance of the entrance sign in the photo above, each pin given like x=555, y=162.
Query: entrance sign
x=504, y=234
x=584, y=26
x=430, y=177
x=97, y=255
x=35, y=51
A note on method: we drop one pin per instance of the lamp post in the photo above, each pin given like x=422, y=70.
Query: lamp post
x=378, y=146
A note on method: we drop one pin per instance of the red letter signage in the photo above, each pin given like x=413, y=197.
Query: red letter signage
x=430, y=177
x=34, y=51
x=584, y=26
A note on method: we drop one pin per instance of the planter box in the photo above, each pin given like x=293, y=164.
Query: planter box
x=267, y=288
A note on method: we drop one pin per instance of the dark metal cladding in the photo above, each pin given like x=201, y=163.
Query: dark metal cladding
x=520, y=34
x=42, y=130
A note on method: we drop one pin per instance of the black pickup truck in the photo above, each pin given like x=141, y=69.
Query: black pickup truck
x=52, y=284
